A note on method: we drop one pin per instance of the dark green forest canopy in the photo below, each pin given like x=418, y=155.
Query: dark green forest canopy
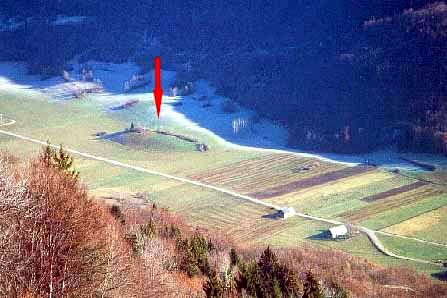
x=342, y=76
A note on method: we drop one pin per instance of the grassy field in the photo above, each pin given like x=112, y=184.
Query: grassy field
x=265, y=172
x=302, y=234
x=405, y=212
x=414, y=249
x=374, y=209
x=333, y=198
x=151, y=142
x=75, y=123
x=431, y=226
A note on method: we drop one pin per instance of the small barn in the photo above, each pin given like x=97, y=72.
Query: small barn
x=287, y=212
x=338, y=232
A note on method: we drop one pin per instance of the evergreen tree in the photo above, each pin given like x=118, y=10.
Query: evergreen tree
x=234, y=258
x=276, y=289
x=290, y=286
x=200, y=248
x=213, y=286
x=339, y=292
x=60, y=160
x=194, y=254
x=64, y=162
x=47, y=155
x=250, y=279
x=312, y=288
x=277, y=279
x=267, y=277
x=268, y=264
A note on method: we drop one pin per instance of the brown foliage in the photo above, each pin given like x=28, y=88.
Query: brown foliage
x=8, y=158
x=154, y=269
x=55, y=240
x=360, y=277
x=332, y=268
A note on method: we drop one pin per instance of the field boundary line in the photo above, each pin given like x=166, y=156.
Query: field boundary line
x=9, y=123
x=378, y=244
x=411, y=238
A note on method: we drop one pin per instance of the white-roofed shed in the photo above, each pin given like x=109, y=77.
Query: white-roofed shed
x=287, y=212
x=338, y=232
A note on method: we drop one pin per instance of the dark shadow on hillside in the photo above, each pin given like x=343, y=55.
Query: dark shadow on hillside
x=323, y=235
x=274, y=216
x=440, y=275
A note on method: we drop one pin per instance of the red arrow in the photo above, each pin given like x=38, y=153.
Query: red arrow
x=158, y=92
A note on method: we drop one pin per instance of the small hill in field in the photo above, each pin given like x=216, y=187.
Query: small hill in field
x=147, y=140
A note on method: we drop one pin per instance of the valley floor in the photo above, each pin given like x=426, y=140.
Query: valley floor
x=375, y=198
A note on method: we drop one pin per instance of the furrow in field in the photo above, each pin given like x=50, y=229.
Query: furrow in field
x=271, y=180
x=238, y=166
x=310, y=182
x=242, y=172
x=395, y=191
x=264, y=173
x=397, y=201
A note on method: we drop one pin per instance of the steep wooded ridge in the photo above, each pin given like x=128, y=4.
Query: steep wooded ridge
x=343, y=77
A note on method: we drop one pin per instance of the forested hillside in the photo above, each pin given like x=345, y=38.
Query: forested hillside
x=346, y=76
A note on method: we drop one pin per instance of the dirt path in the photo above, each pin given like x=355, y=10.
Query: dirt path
x=370, y=233
x=376, y=242
x=411, y=238
x=11, y=122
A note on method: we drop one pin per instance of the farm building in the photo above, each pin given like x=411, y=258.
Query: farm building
x=338, y=232
x=287, y=212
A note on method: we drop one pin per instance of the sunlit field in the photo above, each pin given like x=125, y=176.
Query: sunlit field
x=309, y=185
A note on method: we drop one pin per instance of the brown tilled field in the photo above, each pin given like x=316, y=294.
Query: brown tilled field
x=395, y=191
x=266, y=173
x=311, y=181
x=390, y=202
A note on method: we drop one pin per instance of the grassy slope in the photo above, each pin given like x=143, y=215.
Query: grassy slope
x=74, y=124
x=431, y=226
x=336, y=197
x=414, y=249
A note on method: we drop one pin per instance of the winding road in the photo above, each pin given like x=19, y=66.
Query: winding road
x=371, y=234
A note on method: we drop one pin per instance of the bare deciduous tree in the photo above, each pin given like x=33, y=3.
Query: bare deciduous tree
x=53, y=238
